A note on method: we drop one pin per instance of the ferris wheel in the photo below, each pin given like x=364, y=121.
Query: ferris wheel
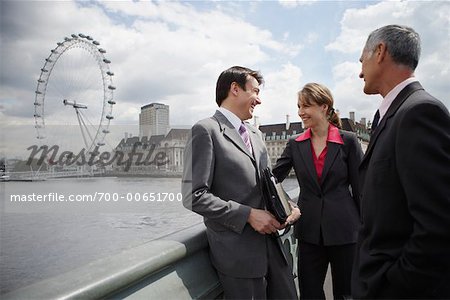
x=75, y=90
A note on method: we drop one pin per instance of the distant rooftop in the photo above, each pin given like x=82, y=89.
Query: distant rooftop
x=178, y=134
x=154, y=105
x=280, y=129
x=144, y=141
x=348, y=124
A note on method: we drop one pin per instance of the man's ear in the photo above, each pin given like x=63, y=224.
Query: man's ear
x=381, y=52
x=234, y=89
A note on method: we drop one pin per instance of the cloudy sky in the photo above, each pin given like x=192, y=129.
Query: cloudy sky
x=172, y=52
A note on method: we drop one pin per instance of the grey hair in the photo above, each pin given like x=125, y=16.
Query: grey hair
x=402, y=43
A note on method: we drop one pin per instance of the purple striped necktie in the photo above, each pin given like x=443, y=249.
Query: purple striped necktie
x=245, y=137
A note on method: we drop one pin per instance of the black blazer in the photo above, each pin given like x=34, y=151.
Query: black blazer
x=404, y=244
x=330, y=206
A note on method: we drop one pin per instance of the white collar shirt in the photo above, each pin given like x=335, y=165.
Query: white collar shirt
x=387, y=101
x=234, y=120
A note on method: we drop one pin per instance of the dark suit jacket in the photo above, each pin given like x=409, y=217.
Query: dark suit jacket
x=329, y=207
x=221, y=182
x=404, y=244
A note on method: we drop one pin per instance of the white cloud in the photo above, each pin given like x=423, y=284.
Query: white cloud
x=356, y=24
x=279, y=95
x=295, y=3
x=167, y=52
x=173, y=52
x=312, y=37
x=139, y=9
x=348, y=92
x=430, y=19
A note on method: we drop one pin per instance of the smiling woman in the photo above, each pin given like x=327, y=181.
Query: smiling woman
x=325, y=160
x=315, y=106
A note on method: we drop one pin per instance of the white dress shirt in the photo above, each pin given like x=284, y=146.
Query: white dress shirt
x=234, y=120
x=387, y=101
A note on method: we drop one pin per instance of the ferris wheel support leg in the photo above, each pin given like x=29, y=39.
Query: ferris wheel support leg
x=80, y=122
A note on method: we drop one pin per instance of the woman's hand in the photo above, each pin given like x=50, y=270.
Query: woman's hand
x=294, y=216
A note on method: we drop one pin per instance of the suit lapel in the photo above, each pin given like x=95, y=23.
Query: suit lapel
x=306, y=154
x=398, y=101
x=231, y=133
x=332, y=151
x=256, y=142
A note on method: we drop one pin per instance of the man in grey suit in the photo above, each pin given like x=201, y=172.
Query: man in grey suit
x=404, y=244
x=221, y=181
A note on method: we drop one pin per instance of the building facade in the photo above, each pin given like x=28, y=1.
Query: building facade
x=277, y=135
x=154, y=120
x=173, y=146
x=156, y=155
x=164, y=153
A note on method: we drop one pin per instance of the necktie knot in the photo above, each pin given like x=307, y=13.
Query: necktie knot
x=245, y=137
x=242, y=129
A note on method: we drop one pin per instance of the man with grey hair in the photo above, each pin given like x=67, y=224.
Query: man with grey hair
x=404, y=243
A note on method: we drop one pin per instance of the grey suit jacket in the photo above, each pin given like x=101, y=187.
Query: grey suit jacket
x=404, y=245
x=221, y=182
x=329, y=208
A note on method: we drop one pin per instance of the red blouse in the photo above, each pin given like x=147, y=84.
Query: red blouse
x=333, y=137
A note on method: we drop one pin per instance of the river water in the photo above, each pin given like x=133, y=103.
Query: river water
x=42, y=239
